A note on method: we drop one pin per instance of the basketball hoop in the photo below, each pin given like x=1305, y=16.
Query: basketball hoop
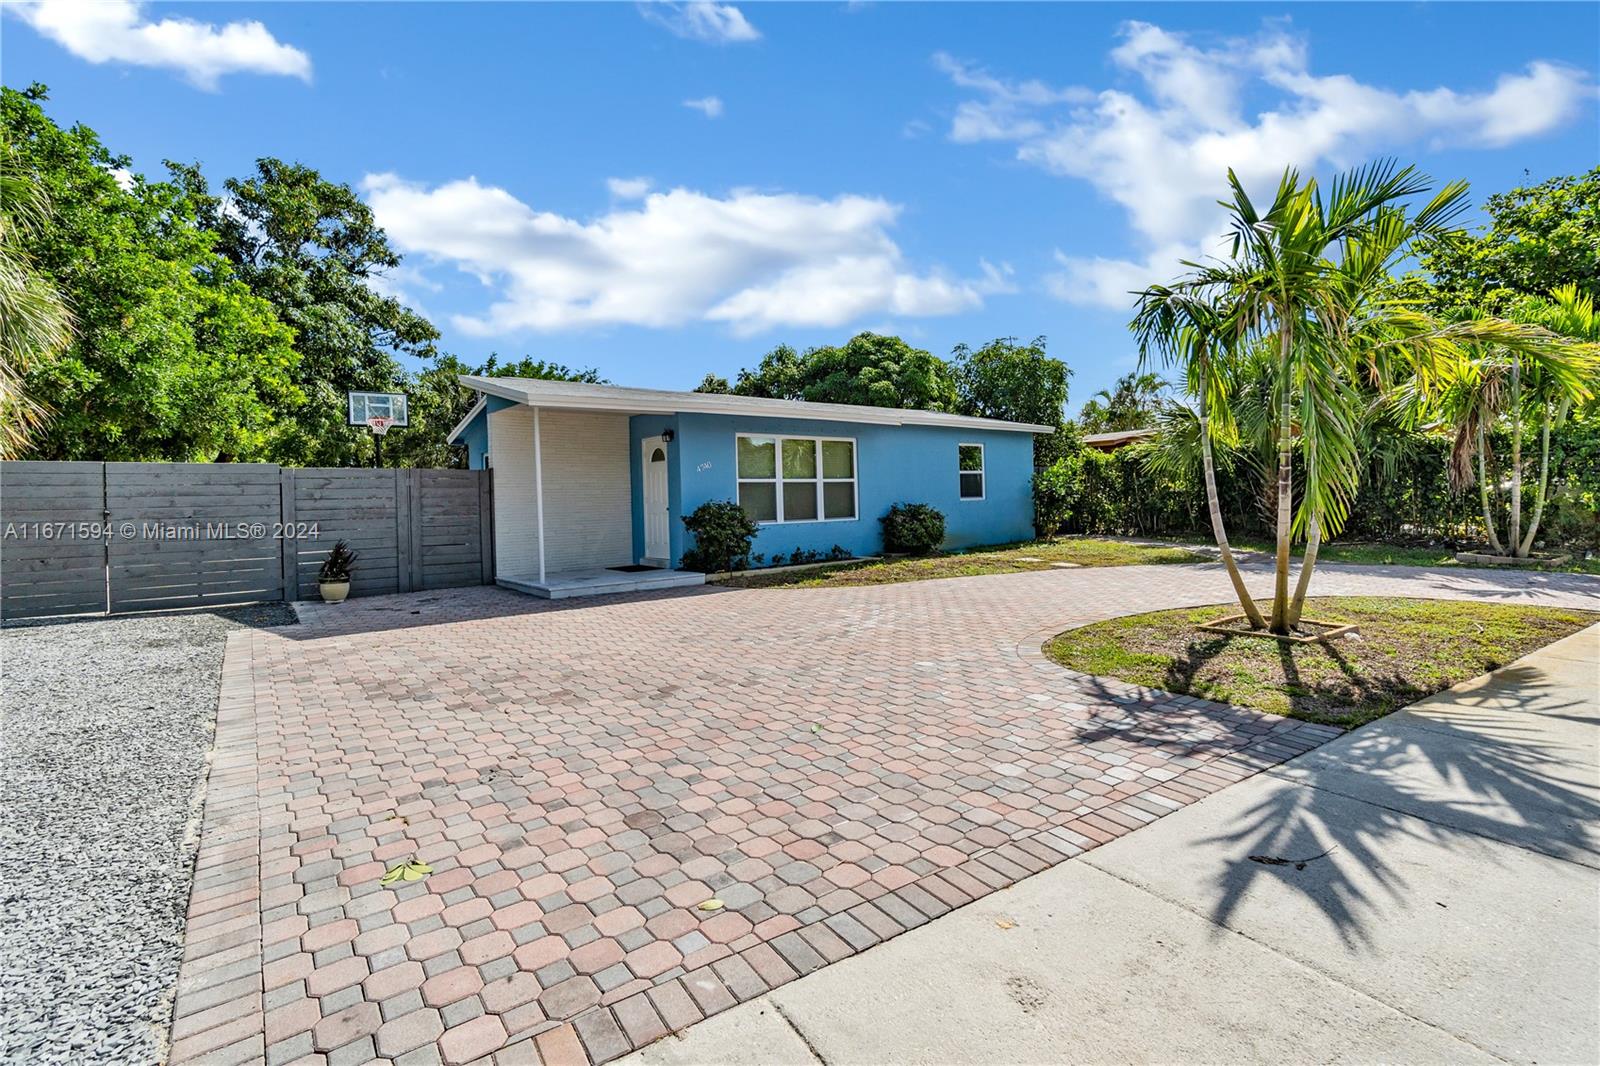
x=379, y=424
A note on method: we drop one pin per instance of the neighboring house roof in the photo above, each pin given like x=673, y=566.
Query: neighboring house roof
x=1110, y=442
x=581, y=396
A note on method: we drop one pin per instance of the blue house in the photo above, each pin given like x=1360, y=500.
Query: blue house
x=592, y=478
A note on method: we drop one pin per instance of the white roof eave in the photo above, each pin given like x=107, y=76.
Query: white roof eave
x=467, y=421
x=651, y=401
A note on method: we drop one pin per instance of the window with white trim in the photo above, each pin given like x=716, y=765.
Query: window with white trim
x=970, y=464
x=797, y=479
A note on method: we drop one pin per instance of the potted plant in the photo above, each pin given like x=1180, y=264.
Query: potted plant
x=333, y=580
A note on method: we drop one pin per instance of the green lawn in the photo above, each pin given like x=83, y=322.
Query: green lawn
x=1406, y=649
x=1007, y=559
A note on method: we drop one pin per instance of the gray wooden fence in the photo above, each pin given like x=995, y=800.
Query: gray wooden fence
x=111, y=537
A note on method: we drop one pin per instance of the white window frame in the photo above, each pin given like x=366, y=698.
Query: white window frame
x=982, y=472
x=777, y=479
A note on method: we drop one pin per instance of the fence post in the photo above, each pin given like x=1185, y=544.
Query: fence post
x=486, y=524
x=289, y=546
x=401, y=487
x=419, y=512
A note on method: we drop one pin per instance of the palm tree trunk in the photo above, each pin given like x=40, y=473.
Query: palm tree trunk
x=1307, y=564
x=1544, y=480
x=1218, y=530
x=1514, y=534
x=1280, y=588
x=1483, y=498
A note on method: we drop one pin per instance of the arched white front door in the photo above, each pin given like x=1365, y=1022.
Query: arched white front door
x=657, y=530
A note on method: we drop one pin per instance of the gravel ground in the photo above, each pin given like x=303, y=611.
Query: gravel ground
x=108, y=727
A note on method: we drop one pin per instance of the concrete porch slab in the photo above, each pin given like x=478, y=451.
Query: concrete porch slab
x=599, y=582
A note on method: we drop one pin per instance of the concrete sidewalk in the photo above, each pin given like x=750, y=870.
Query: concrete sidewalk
x=1426, y=888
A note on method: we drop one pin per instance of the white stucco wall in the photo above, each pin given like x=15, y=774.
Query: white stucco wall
x=587, y=491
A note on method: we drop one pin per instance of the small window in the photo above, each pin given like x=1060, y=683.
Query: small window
x=797, y=479
x=971, y=471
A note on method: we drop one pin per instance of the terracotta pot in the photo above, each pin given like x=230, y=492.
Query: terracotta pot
x=334, y=591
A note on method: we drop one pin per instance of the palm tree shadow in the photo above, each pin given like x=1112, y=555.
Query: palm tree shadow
x=1432, y=778
x=1185, y=668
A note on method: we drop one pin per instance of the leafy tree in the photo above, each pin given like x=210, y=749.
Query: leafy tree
x=1134, y=402
x=714, y=383
x=1540, y=237
x=529, y=367
x=173, y=357
x=311, y=248
x=1014, y=382
x=780, y=375
x=879, y=371
x=35, y=324
x=869, y=369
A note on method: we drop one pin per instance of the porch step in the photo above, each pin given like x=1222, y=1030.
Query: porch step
x=562, y=586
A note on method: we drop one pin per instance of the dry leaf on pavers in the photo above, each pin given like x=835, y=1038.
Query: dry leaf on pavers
x=411, y=870
x=709, y=905
x=1005, y=923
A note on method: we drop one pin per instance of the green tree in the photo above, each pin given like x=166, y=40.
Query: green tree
x=1539, y=238
x=1134, y=402
x=869, y=369
x=1194, y=331
x=714, y=383
x=879, y=371
x=311, y=248
x=173, y=357
x=543, y=370
x=779, y=376
x=35, y=324
x=1017, y=383
x=1309, y=281
x=1516, y=386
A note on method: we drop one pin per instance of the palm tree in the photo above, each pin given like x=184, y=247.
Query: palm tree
x=1132, y=403
x=1559, y=382
x=1192, y=330
x=1514, y=382
x=35, y=324
x=1310, y=276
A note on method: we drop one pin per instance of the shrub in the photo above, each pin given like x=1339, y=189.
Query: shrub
x=912, y=529
x=338, y=565
x=723, y=532
x=1056, y=492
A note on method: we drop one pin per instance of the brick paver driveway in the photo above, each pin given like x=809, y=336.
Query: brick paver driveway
x=834, y=766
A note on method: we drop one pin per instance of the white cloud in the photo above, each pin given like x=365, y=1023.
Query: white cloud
x=106, y=31
x=710, y=106
x=1161, y=150
x=751, y=260
x=700, y=20
x=628, y=188
x=123, y=177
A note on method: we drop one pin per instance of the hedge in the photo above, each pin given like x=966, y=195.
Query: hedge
x=1406, y=500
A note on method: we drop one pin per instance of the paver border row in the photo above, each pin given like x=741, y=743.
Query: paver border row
x=218, y=1015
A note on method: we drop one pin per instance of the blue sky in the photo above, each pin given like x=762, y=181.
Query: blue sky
x=668, y=190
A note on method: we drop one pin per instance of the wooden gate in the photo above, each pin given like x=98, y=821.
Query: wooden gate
x=99, y=537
